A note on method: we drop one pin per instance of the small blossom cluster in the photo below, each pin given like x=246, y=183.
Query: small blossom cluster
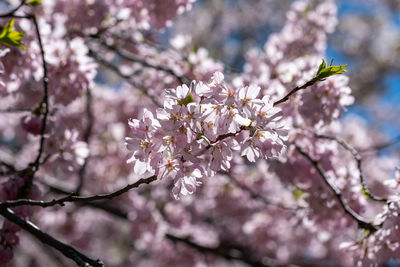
x=73, y=71
x=382, y=245
x=68, y=151
x=291, y=58
x=200, y=127
x=85, y=17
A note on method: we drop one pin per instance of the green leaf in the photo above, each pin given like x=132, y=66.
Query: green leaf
x=187, y=100
x=34, y=2
x=321, y=67
x=325, y=72
x=10, y=37
x=365, y=193
x=298, y=193
x=365, y=234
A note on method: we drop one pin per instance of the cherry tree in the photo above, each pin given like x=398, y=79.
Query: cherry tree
x=123, y=145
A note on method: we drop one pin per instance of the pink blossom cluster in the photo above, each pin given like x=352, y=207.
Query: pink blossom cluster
x=72, y=69
x=87, y=17
x=290, y=58
x=198, y=130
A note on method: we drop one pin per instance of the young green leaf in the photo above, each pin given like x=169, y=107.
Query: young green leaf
x=187, y=100
x=34, y=2
x=325, y=72
x=298, y=193
x=10, y=37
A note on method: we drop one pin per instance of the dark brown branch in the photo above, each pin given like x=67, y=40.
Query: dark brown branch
x=44, y=104
x=358, y=159
x=68, y=251
x=73, y=198
x=362, y=223
x=97, y=205
x=10, y=168
x=45, y=101
x=293, y=91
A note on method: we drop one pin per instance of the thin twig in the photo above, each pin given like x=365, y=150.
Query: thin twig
x=127, y=78
x=362, y=223
x=129, y=57
x=10, y=167
x=13, y=11
x=73, y=198
x=382, y=146
x=222, y=137
x=45, y=101
x=358, y=159
x=97, y=205
x=68, y=251
x=256, y=196
x=293, y=91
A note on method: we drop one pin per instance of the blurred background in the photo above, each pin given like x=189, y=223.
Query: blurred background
x=367, y=38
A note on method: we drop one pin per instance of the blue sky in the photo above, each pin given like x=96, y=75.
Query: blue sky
x=390, y=98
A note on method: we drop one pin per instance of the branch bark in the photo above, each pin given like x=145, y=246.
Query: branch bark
x=293, y=91
x=68, y=251
x=358, y=159
x=362, y=223
x=73, y=198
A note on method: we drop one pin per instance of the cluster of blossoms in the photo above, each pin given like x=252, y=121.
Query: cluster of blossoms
x=200, y=127
x=289, y=59
x=381, y=245
x=72, y=69
x=88, y=15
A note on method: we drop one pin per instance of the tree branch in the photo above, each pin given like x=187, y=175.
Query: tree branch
x=362, y=223
x=9, y=167
x=382, y=146
x=293, y=91
x=13, y=11
x=358, y=159
x=73, y=198
x=45, y=101
x=68, y=251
